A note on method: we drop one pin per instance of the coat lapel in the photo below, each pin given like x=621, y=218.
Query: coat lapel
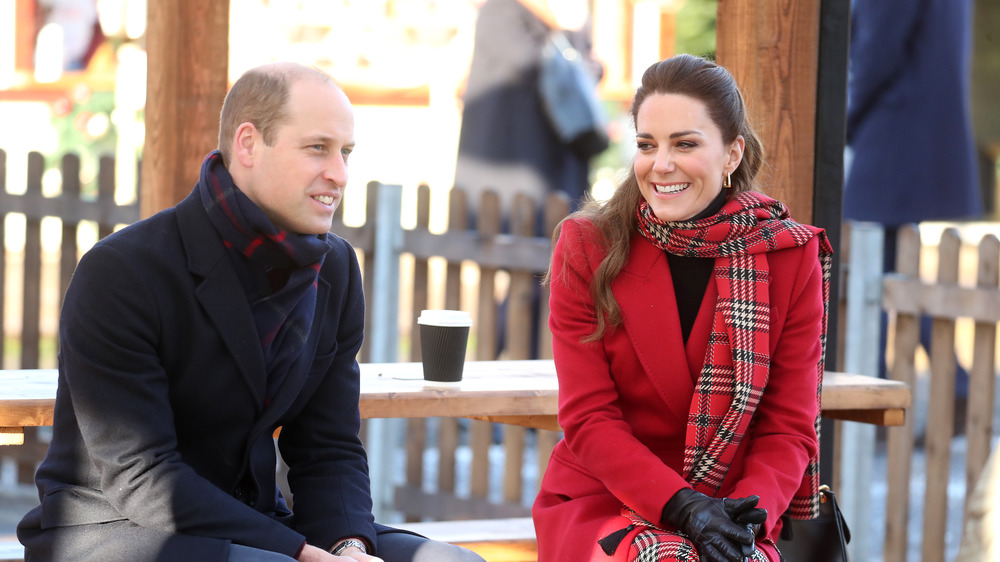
x=231, y=317
x=644, y=291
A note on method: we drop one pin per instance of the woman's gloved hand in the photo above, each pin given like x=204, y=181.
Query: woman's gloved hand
x=709, y=524
x=744, y=511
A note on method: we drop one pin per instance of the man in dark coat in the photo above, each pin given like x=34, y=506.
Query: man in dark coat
x=189, y=337
x=908, y=120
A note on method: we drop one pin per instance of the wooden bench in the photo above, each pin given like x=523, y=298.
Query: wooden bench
x=496, y=540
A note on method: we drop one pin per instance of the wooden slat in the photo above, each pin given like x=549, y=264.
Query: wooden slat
x=488, y=226
x=448, y=440
x=513, y=447
x=480, y=437
x=68, y=247
x=504, y=251
x=458, y=221
x=537, y=422
x=982, y=378
x=421, y=291
x=32, y=276
x=556, y=209
x=941, y=409
x=906, y=333
x=106, y=196
x=950, y=300
x=519, y=296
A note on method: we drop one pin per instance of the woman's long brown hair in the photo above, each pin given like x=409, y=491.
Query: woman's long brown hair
x=616, y=219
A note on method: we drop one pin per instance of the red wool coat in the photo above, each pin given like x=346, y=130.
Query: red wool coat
x=624, y=400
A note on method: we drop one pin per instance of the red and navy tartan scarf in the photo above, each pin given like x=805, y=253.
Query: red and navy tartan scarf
x=737, y=361
x=284, y=316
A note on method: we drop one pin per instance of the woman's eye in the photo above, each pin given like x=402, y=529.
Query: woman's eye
x=687, y=144
x=644, y=145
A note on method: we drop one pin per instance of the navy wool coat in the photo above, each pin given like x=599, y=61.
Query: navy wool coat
x=162, y=445
x=908, y=118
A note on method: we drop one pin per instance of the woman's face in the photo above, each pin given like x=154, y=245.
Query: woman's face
x=680, y=158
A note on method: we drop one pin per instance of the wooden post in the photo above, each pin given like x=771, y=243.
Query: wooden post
x=771, y=48
x=187, y=44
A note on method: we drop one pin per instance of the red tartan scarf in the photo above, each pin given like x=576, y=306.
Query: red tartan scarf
x=737, y=361
x=284, y=316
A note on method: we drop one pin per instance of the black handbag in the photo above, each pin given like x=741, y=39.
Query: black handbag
x=823, y=539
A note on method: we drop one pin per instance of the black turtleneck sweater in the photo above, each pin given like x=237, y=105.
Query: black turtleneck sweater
x=691, y=274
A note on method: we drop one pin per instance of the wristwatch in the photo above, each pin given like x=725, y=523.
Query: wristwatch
x=347, y=544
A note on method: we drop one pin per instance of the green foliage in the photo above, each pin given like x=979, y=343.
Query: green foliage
x=696, y=28
x=84, y=125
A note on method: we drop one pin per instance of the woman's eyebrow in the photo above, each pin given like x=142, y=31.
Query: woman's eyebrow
x=685, y=133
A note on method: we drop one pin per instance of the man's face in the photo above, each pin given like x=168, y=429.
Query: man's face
x=299, y=180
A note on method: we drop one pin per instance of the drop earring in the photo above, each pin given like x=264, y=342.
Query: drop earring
x=727, y=181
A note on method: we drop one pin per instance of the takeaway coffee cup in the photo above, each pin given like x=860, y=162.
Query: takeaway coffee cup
x=444, y=335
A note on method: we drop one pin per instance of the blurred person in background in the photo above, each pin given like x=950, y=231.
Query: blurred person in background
x=506, y=142
x=911, y=153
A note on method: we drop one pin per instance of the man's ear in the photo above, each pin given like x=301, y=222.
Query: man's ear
x=245, y=143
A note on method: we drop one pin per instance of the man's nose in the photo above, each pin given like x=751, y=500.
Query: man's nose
x=336, y=171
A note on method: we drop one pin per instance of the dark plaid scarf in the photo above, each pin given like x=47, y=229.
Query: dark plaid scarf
x=737, y=360
x=282, y=317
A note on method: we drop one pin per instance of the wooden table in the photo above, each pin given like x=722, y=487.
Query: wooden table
x=516, y=392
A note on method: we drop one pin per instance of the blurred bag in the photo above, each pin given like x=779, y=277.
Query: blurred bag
x=823, y=539
x=569, y=97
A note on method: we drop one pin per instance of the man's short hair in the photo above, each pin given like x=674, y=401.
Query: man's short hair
x=260, y=96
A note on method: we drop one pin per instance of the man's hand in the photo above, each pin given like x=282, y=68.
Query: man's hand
x=311, y=553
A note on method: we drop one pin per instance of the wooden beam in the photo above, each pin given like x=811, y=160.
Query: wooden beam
x=771, y=48
x=26, y=16
x=187, y=45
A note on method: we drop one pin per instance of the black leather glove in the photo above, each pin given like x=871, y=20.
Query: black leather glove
x=744, y=511
x=709, y=525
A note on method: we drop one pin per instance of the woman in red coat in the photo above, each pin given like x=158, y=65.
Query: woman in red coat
x=688, y=316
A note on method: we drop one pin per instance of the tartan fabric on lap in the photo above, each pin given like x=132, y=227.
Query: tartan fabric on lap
x=654, y=544
x=737, y=360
